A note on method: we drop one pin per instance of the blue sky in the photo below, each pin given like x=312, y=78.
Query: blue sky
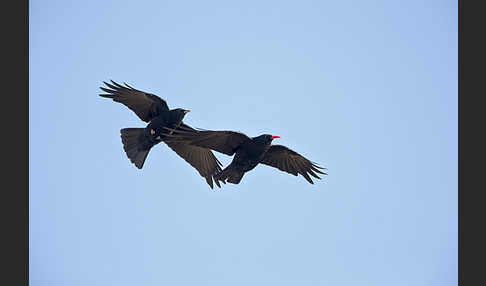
x=367, y=89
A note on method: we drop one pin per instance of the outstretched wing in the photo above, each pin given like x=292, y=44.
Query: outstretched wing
x=225, y=142
x=145, y=105
x=202, y=159
x=289, y=161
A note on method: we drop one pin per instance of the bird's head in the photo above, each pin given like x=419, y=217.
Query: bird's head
x=265, y=138
x=179, y=113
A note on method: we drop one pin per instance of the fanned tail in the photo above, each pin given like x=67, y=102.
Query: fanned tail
x=136, y=145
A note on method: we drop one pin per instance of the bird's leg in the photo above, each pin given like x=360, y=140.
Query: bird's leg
x=177, y=126
x=152, y=132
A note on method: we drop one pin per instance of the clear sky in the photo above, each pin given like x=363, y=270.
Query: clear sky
x=367, y=89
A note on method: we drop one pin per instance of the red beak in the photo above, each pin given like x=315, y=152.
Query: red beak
x=273, y=137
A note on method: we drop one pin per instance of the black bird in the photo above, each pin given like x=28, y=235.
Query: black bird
x=152, y=109
x=249, y=152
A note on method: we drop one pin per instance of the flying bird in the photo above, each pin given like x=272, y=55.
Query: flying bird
x=249, y=152
x=137, y=142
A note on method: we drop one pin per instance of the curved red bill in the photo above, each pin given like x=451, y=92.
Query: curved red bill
x=273, y=137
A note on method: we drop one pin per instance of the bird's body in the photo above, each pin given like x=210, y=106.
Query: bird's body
x=248, y=153
x=155, y=130
x=247, y=156
x=137, y=142
x=171, y=119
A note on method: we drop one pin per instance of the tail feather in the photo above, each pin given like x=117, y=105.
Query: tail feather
x=136, y=145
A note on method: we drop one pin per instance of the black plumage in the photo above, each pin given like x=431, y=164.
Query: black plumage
x=137, y=142
x=248, y=153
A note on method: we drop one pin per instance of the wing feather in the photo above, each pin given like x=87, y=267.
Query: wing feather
x=202, y=159
x=145, y=105
x=226, y=142
x=287, y=160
